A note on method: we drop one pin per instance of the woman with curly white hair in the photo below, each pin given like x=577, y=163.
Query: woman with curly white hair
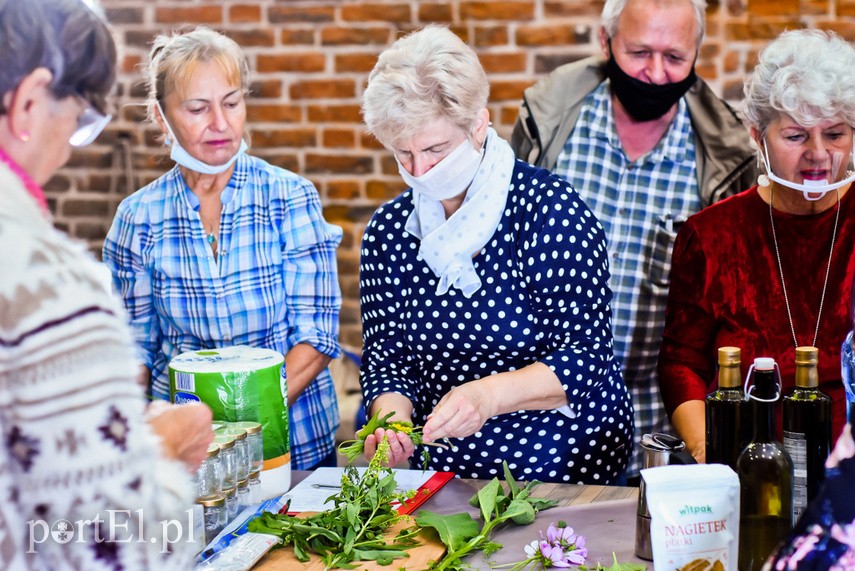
x=771, y=268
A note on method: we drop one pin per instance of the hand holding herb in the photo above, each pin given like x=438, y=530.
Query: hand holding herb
x=352, y=449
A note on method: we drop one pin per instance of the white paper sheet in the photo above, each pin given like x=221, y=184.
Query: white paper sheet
x=309, y=495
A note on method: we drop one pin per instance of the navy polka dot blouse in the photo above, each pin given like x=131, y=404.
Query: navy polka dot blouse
x=544, y=297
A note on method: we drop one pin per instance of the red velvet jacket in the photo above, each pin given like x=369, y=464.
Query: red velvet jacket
x=726, y=290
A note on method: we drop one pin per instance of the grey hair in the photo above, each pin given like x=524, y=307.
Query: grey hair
x=808, y=75
x=65, y=36
x=428, y=74
x=612, y=10
x=173, y=58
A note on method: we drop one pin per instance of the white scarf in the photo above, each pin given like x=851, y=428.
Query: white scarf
x=448, y=245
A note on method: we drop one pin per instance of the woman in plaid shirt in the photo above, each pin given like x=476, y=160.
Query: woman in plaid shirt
x=226, y=249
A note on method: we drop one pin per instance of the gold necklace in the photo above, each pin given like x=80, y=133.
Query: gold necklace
x=781, y=269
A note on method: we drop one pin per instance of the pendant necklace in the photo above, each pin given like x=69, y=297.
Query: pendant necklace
x=781, y=269
x=211, y=238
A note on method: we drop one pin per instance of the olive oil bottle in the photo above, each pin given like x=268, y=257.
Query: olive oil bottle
x=807, y=429
x=726, y=425
x=765, y=475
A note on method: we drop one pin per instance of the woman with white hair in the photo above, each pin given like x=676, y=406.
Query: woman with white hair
x=771, y=268
x=484, y=292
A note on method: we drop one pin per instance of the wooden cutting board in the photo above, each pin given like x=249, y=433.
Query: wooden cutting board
x=430, y=548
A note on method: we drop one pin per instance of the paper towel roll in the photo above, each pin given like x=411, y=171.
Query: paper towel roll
x=241, y=383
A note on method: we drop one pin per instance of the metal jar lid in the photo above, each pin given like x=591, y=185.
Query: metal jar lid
x=216, y=500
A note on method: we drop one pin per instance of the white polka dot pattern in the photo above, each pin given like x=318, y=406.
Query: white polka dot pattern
x=544, y=297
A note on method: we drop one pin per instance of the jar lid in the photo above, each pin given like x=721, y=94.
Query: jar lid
x=229, y=492
x=224, y=441
x=234, y=432
x=243, y=483
x=213, y=449
x=248, y=425
x=217, y=500
x=255, y=475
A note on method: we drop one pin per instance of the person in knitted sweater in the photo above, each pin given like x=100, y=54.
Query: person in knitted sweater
x=89, y=478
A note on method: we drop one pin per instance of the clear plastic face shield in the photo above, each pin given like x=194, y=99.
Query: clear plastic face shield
x=812, y=189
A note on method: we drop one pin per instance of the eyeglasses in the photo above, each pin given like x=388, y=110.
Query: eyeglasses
x=89, y=126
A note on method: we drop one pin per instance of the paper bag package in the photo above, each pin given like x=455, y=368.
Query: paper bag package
x=241, y=383
x=694, y=516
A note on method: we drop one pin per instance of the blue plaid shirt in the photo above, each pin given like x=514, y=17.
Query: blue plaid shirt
x=273, y=284
x=641, y=205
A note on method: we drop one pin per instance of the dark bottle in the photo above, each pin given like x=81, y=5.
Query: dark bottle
x=807, y=429
x=765, y=475
x=726, y=430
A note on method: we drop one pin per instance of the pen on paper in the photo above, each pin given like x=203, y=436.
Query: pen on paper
x=326, y=486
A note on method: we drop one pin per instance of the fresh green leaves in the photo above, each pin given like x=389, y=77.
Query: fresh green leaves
x=353, y=530
x=615, y=566
x=462, y=535
x=352, y=449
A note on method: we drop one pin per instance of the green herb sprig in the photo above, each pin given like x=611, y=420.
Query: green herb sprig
x=352, y=449
x=353, y=530
x=462, y=534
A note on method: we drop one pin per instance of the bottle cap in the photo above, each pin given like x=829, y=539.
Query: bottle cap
x=807, y=355
x=233, y=431
x=213, y=450
x=212, y=501
x=764, y=363
x=248, y=425
x=729, y=356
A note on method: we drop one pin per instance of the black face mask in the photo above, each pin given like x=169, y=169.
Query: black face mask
x=645, y=101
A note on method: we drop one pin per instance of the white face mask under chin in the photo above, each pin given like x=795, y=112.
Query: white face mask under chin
x=449, y=177
x=816, y=187
x=180, y=155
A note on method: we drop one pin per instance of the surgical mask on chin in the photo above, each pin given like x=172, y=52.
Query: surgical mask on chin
x=449, y=177
x=818, y=187
x=180, y=155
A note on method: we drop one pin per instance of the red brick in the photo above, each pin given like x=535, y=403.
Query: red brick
x=507, y=90
x=131, y=63
x=776, y=8
x=206, y=14
x=367, y=141
x=297, y=36
x=509, y=114
x=273, y=113
x=388, y=165
x=845, y=29
x=348, y=63
x=124, y=15
x=338, y=36
x=323, y=89
x=503, y=62
x=300, y=137
x=341, y=138
x=376, y=11
x=384, y=190
x=282, y=160
x=435, y=12
x=266, y=89
x=733, y=90
x=89, y=206
x=707, y=72
x=576, y=8
x=300, y=14
x=486, y=36
x=338, y=163
x=731, y=62
x=253, y=38
x=334, y=114
x=496, y=10
x=342, y=190
x=759, y=29
x=550, y=35
x=244, y=13
x=291, y=61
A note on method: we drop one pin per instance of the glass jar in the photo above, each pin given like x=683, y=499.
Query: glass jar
x=256, y=443
x=208, y=480
x=228, y=460
x=243, y=494
x=242, y=452
x=254, y=487
x=232, y=504
x=214, y=510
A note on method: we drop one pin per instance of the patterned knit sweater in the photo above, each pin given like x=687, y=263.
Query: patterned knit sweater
x=78, y=465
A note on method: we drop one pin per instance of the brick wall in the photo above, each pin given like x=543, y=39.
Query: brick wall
x=311, y=58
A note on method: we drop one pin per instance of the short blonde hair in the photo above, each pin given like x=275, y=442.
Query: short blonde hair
x=173, y=59
x=426, y=75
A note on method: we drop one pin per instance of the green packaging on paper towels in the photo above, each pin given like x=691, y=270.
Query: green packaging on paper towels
x=238, y=383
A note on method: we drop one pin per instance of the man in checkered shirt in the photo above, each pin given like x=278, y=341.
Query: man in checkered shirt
x=646, y=143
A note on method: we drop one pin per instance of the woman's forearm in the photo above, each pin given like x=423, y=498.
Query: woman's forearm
x=534, y=387
x=303, y=363
x=689, y=419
